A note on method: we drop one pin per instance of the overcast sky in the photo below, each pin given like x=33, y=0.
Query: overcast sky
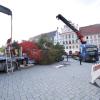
x=33, y=17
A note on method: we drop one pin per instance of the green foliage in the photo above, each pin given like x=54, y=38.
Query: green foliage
x=16, y=48
x=60, y=48
x=2, y=49
x=15, y=45
x=51, y=54
x=44, y=40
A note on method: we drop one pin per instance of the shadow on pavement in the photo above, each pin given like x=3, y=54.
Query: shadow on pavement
x=95, y=84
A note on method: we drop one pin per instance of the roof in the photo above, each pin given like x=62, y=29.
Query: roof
x=48, y=34
x=90, y=30
x=51, y=34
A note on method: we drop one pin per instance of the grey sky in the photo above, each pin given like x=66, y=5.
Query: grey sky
x=87, y=2
x=33, y=17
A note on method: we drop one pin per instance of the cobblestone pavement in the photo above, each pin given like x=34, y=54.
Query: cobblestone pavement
x=70, y=82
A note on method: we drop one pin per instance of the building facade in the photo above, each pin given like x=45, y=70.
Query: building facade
x=91, y=34
x=68, y=39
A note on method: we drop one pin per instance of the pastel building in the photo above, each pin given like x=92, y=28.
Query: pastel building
x=70, y=41
x=92, y=34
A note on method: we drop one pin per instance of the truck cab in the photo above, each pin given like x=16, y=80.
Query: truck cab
x=89, y=52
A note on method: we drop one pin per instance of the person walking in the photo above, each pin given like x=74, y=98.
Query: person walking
x=67, y=56
x=80, y=58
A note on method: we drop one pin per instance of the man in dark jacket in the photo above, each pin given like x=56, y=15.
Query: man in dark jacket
x=80, y=58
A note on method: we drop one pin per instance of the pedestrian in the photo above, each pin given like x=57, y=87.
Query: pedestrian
x=67, y=56
x=80, y=58
x=25, y=60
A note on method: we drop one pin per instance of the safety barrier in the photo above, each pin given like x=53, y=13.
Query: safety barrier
x=95, y=72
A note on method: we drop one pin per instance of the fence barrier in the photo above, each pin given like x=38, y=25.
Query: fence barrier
x=95, y=72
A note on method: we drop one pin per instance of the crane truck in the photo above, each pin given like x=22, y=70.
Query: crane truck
x=88, y=52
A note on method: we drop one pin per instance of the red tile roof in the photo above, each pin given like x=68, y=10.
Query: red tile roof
x=89, y=30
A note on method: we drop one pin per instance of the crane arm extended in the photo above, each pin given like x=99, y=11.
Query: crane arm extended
x=79, y=35
x=5, y=10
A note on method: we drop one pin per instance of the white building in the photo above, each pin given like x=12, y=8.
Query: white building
x=68, y=39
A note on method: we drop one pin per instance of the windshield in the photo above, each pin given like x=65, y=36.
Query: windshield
x=91, y=49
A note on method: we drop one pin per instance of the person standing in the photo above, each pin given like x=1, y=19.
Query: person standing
x=80, y=58
x=67, y=56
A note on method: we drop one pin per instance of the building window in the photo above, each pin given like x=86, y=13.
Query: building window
x=91, y=37
x=72, y=41
x=99, y=35
x=66, y=36
x=76, y=46
x=69, y=42
x=72, y=35
x=69, y=47
x=73, y=46
x=75, y=36
x=69, y=36
x=66, y=42
x=87, y=37
x=76, y=41
x=66, y=47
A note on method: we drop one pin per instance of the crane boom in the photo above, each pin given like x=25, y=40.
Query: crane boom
x=79, y=35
